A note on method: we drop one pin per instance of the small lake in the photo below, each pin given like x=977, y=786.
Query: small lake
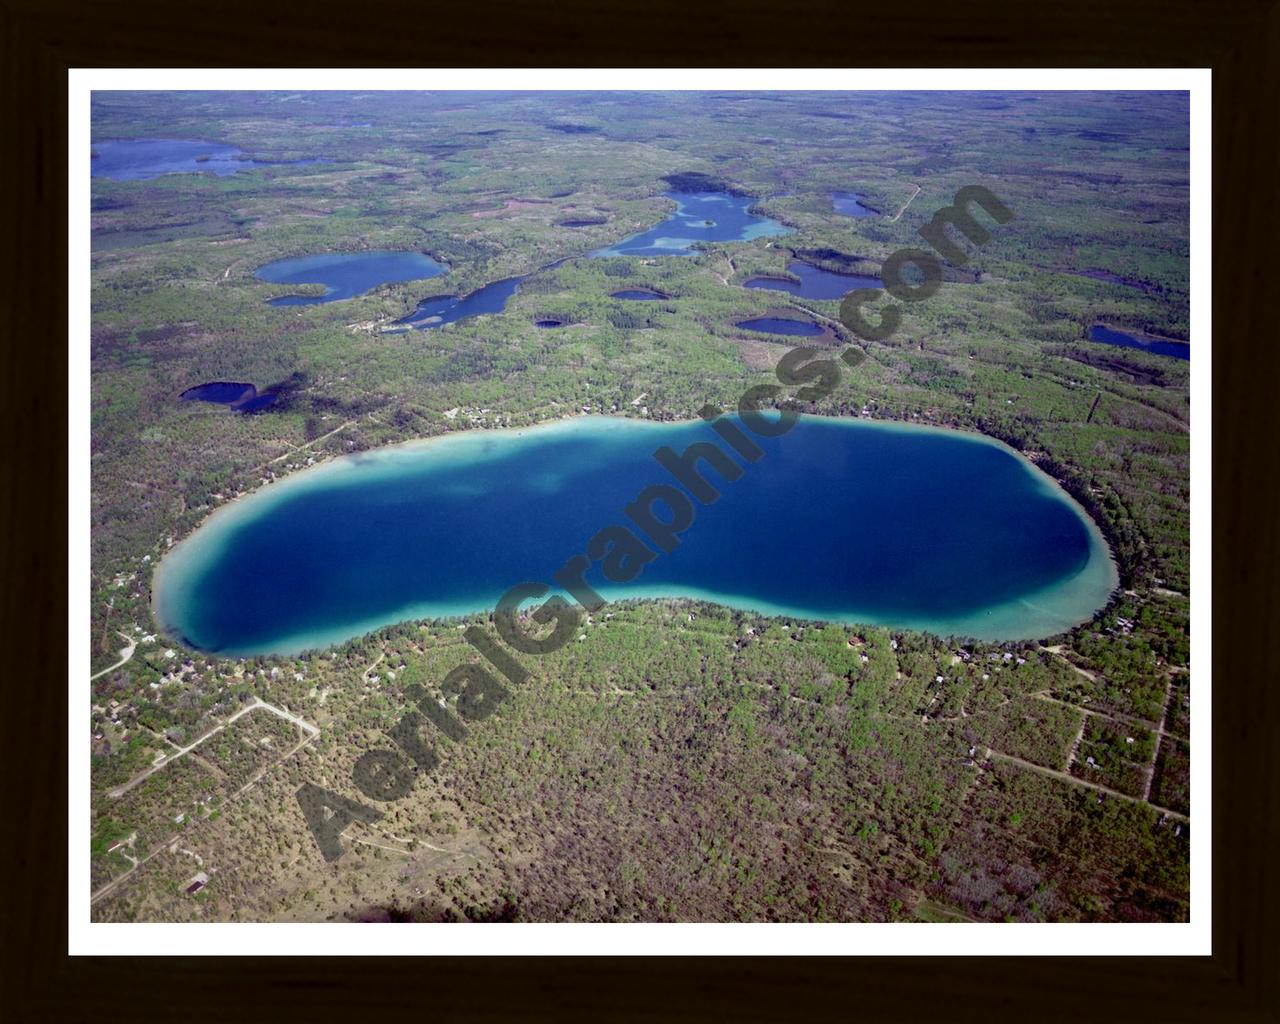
x=920, y=528
x=699, y=217
x=239, y=396
x=637, y=295
x=1156, y=346
x=850, y=205
x=139, y=159
x=346, y=275
x=814, y=282
x=695, y=220
x=783, y=325
x=447, y=309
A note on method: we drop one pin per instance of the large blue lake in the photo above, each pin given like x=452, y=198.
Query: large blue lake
x=699, y=217
x=839, y=520
x=139, y=159
x=346, y=274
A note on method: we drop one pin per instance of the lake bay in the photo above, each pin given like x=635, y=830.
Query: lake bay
x=345, y=275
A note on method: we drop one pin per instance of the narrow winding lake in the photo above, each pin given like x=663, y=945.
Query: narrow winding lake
x=346, y=274
x=839, y=520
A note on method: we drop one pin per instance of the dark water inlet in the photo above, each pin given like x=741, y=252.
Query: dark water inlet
x=1156, y=346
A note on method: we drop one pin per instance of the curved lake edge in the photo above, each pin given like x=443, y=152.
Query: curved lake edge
x=325, y=270
x=1000, y=623
x=1138, y=340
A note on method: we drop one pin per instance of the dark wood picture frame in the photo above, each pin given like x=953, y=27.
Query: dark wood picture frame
x=1238, y=39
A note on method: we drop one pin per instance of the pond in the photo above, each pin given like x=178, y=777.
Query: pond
x=699, y=217
x=139, y=159
x=814, y=282
x=346, y=274
x=1156, y=346
x=850, y=204
x=239, y=396
x=919, y=528
x=783, y=325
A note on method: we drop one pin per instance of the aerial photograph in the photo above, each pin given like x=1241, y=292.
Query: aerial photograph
x=638, y=506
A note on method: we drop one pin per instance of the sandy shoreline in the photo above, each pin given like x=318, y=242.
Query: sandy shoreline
x=202, y=544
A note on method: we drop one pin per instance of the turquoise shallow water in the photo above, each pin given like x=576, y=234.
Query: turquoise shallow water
x=839, y=520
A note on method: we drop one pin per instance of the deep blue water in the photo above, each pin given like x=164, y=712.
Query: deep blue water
x=447, y=309
x=137, y=159
x=814, y=282
x=838, y=520
x=783, y=325
x=223, y=392
x=258, y=401
x=699, y=217
x=636, y=294
x=240, y=396
x=1109, y=336
x=346, y=274
x=850, y=204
